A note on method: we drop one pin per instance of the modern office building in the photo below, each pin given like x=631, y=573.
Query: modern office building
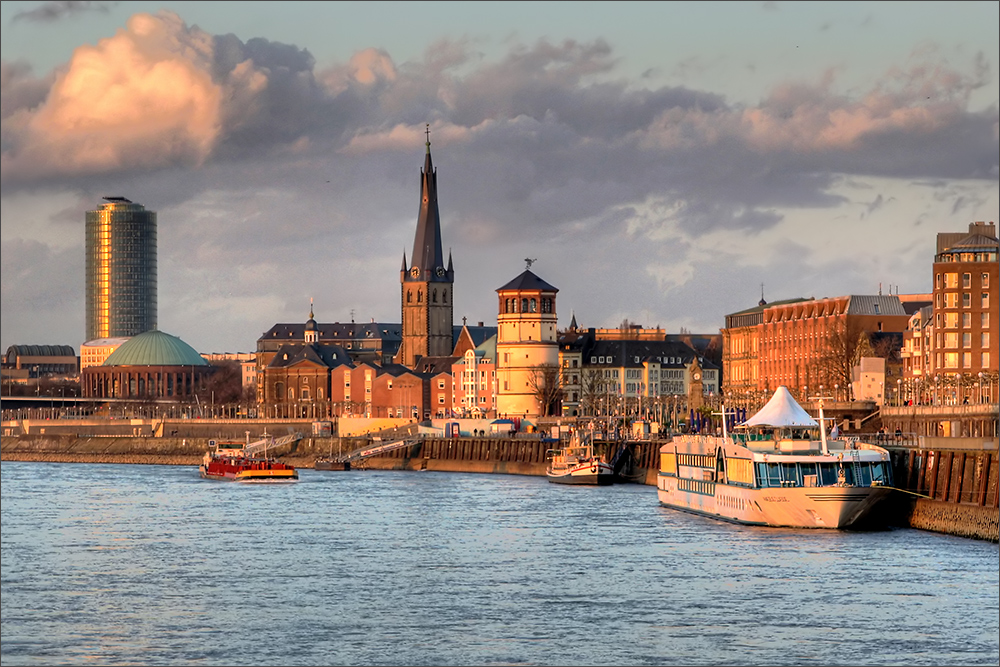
x=121, y=269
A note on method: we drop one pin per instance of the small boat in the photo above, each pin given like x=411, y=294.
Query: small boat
x=331, y=464
x=239, y=462
x=777, y=469
x=577, y=464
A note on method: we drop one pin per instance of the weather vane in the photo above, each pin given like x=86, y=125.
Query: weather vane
x=529, y=262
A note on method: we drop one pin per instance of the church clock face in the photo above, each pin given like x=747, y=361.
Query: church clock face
x=440, y=271
x=697, y=376
x=415, y=272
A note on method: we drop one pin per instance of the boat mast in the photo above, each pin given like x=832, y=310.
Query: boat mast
x=822, y=427
x=725, y=432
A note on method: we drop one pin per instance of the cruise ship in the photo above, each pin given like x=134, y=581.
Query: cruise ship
x=777, y=468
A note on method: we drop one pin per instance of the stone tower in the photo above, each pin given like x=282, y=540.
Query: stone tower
x=527, y=349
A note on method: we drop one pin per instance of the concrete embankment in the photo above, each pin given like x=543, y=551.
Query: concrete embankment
x=484, y=455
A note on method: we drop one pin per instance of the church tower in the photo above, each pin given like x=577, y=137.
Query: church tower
x=427, y=285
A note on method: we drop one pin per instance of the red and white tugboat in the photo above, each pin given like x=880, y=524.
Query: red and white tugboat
x=245, y=462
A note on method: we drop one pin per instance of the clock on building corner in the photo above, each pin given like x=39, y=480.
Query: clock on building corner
x=440, y=271
x=697, y=376
x=415, y=272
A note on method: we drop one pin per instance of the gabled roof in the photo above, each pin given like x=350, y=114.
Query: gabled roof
x=395, y=370
x=326, y=356
x=781, y=410
x=759, y=308
x=468, y=337
x=488, y=349
x=875, y=304
x=632, y=353
x=434, y=365
x=528, y=281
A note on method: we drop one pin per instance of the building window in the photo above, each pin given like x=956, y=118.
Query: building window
x=985, y=280
x=966, y=320
x=950, y=340
x=967, y=360
x=966, y=340
x=985, y=340
x=951, y=360
x=986, y=360
x=966, y=300
x=950, y=280
x=984, y=320
x=985, y=300
x=950, y=320
x=966, y=280
x=440, y=384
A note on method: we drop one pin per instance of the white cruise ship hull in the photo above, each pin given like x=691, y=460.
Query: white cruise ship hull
x=818, y=507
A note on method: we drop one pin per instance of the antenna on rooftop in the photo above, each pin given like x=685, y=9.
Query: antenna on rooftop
x=529, y=262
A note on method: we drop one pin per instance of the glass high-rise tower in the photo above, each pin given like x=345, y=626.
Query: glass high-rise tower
x=121, y=269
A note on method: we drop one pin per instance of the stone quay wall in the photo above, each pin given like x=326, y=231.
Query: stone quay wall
x=953, y=492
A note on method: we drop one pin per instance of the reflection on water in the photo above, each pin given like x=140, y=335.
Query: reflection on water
x=115, y=564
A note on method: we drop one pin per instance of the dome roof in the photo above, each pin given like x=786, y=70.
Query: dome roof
x=155, y=348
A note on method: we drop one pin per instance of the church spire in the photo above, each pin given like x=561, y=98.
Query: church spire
x=427, y=255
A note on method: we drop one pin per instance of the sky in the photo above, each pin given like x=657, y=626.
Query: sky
x=663, y=163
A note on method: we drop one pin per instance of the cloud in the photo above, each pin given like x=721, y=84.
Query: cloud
x=310, y=175
x=50, y=12
x=157, y=94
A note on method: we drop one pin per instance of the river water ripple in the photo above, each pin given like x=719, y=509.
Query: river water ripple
x=120, y=564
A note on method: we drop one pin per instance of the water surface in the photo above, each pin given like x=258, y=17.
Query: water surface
x=120, y=564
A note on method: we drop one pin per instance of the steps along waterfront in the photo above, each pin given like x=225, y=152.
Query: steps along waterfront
x=942, y=489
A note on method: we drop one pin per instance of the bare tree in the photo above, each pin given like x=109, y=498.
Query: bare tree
x=846, y=343
x=591, y=390
x=545, y=382
x=224, y=385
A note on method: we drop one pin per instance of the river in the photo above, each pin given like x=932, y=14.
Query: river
x=144, y=565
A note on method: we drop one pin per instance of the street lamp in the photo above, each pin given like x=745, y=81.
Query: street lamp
x=899, y=388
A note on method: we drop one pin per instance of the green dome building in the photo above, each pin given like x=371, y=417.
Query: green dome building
x=153, y=365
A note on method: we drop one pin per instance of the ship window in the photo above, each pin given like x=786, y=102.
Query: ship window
x=880, y=473
x=773, y=476
x=790, y=474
